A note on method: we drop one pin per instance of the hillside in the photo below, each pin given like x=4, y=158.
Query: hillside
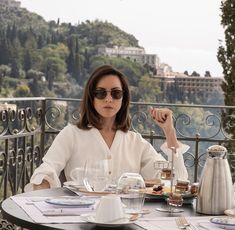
x=21, y=18
x=41, y=56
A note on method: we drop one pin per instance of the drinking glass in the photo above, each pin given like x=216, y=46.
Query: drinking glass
x=96, y=175
x=131, y=188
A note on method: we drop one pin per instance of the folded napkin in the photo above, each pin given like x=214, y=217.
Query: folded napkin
x=28, y=205
x=57, y=210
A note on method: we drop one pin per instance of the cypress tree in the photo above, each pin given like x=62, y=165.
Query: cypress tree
x=226, y=56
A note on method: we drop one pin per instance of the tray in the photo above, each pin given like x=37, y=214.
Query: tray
x=188, y=198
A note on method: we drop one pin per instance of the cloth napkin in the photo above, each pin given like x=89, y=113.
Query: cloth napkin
x=57, y=210
x=32, y=209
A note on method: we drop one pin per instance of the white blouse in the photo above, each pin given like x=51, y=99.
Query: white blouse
x=129, y=152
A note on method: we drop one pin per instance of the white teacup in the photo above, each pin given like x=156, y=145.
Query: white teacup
x=77, y=175
x=109, y=209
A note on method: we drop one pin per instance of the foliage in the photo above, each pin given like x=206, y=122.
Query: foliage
x=22, y=91
x=226, y=56
x=148, y=89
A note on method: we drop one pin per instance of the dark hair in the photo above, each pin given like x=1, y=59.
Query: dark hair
x=89, y=116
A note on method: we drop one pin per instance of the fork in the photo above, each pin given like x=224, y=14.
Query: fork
x=183, y=222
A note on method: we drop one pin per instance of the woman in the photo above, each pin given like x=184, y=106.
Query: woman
x=103, y=133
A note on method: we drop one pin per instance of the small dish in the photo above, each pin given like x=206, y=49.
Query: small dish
x=225, y=222
x=70, y=201
x=90, y=218
x=230, y=212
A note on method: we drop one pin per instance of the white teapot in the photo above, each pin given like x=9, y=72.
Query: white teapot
x=215, y=193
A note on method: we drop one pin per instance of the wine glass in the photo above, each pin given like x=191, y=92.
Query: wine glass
x=96, y=175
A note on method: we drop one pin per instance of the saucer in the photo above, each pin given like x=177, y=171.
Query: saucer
x=90, y=218
x=225, y=222
x=70, y=201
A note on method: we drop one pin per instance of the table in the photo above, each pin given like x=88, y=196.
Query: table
x=14, y=214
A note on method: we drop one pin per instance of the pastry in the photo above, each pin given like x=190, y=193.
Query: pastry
x=182, y=185
x=166, y=174
x=175, y=199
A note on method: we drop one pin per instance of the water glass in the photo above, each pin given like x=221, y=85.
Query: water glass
x=96, y=175
x=131, y=188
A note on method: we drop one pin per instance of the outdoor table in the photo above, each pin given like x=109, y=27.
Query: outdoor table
x=16, y=215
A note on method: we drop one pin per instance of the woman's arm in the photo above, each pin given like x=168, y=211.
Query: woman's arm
x=163, y=118
x=44, y=185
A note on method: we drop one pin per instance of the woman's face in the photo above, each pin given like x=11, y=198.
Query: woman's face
x=107, y=105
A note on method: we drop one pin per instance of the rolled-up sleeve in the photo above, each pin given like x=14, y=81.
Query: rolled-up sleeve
x=150, y=156
x=54, y=161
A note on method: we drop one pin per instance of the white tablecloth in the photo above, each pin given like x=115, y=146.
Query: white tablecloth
x=149, y=222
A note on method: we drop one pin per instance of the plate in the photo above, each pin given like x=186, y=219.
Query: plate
x=73, y=184
x=227, y=222
x=230, y=212
x=151, y=183
x=70, y=201
x=163, y=195
x=83, y=190
x=90, y=218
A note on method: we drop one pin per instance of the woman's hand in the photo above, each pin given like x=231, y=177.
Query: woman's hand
x=163, y=118
x=44, y=185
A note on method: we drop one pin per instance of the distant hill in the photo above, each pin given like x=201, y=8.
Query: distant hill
x=93, y=32
x=21, y=18
x=39, y=54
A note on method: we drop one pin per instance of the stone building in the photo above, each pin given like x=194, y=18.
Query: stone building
x=135, y=54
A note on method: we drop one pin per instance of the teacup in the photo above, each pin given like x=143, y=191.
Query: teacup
x=109, y=209
x=77, y=175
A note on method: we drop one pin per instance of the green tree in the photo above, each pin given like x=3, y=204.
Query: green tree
x=4, y=70
x=149, y=89
x=226, y=57
x=22, y=91
x=207, y=74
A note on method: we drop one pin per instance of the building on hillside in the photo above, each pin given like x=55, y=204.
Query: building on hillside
x=133, y=53
x=10, y=3
x=164, y=70
x=190, y=84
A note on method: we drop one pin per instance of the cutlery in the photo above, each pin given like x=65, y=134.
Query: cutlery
x=184, y=224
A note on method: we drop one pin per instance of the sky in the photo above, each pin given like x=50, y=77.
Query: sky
x=184, y=34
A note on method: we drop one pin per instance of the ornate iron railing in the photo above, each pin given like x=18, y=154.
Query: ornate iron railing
x=29, y=125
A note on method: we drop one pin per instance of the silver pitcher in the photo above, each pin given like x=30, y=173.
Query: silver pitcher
x=215, y=193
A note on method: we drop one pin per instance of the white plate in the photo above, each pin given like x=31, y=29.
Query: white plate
x=70, y=201
x=73, y=184
x=227, y=222
x=90, y=218
x=230, y=212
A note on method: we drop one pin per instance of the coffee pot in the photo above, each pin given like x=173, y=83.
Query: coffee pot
x=215, y=193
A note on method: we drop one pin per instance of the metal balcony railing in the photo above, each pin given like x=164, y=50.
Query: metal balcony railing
x=29, y=125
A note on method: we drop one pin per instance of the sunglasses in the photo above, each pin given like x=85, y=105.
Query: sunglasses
x=102, y=93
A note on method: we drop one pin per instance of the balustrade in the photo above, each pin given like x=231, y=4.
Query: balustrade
x=29, y=125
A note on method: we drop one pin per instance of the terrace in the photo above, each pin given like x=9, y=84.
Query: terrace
x=29, y=125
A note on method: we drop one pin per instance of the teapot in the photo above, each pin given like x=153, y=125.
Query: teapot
x=215, y=193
